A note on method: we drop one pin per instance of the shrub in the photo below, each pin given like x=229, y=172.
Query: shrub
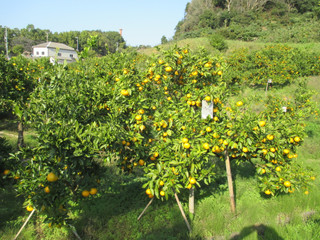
x=217, y=41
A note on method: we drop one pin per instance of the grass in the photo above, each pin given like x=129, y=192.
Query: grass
x=9, y=130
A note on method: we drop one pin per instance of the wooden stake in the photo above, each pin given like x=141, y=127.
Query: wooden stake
x=145, y=208
x=191, y=200
x=230, y=183
x=73, y=229
x=25, y=223
x=182, y=212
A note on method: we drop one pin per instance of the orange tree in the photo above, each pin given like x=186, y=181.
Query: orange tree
x=19, y=76
x=71, y=113
x=185, y=145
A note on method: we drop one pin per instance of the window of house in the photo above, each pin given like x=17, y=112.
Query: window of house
x=71, y=55
x=37, y=53
x=59, y=54
x=42, y=53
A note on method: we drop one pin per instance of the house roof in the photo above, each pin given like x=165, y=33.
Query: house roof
x=53, y=45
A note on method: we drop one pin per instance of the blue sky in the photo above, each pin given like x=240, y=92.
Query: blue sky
x=144, y=22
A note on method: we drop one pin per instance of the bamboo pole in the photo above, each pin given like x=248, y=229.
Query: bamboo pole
x=182, y=212
x=230, y=183
x=25, y=223
x=145, y=209
x=73, y=229
x=191, y=201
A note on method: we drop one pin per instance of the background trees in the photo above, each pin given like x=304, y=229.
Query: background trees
x=20, y=40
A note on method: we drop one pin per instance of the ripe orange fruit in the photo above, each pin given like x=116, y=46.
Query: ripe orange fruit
x=52, y=177
x=270, y=137
x=306, y=192
x=124, y=92
x=185, y=140
x=263, y=171
x=278, y=169
x=156, y=154
x=239, y=103
x=85, y=193
x=206, y=146
x=138, y=117
x=272, y=150
x=93, y=191
x=148, y=191
x=287, y=184
x=268, y=192
x=46, y=189
x=141, y=162
x=186, y=145
x=162, y=193
x=207, y=98
x=189, y=186
x=262, y=123
x=161, y=183
x=245, y=149
x=29, y=208
x=6, y=172
x=286, y=151
x=168, y=69
x=192, y=180
x=297, y=139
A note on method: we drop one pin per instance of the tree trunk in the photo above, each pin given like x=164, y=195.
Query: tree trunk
x=20, y=135
x=191, y=202
x=230, y=184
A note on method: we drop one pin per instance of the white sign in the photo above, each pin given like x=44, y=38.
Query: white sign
x=284, y=109
x=207, y=109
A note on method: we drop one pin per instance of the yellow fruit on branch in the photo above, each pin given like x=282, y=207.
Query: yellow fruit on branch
x=29, y=208
x=206, y=146
x=262, y=123
x=52, y=177
x=124, y=92
x=186, y=145
x=85, y=193
x=148, y=191
x=192, y=180
x=239, y=103
x=267, y=192
x=287, y=184
x=162, y=193
x=93, y=191
x=47, y=189
x=185, y=140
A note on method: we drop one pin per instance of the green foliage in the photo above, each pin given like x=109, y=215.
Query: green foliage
x=218, y=42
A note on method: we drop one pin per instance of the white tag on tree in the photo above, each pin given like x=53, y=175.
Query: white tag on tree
x=284, y=109
x=207, y=109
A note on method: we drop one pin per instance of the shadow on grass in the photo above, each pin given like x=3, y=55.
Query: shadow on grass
x=113, y=215
x=10, y=206
x=263, y=232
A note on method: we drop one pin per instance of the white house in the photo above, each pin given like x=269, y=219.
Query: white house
x=53, y=50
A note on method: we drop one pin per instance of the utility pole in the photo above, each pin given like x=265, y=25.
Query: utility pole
x=6, y=41
x=77, y=44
